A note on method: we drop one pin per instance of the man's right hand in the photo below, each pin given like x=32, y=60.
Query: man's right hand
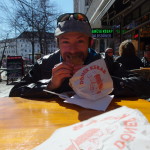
x=59, y=73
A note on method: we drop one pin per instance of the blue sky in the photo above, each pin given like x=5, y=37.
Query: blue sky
x=62, y=6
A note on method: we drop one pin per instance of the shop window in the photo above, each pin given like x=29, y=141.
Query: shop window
x=136, y=14
x=128, y=19
x=102, y=46
x=145, y=8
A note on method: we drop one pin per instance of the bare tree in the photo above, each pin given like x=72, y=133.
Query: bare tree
x=4, y=48
x=36, y=17
x=4, y=25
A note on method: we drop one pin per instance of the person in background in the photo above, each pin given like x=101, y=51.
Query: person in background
x=109, y=52
x=146, y=59
x=109, y=55
x=128, y=58
x=53, y=71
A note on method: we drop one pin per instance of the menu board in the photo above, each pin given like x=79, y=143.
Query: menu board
x=14, y=68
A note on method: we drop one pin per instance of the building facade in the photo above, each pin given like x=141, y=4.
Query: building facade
x=22, y=46
x=82, y=6
x=116, y=20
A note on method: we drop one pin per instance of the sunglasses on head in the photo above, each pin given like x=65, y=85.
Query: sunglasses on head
x=76, y=16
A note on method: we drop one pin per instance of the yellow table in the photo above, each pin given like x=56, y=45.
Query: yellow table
x=25, y=123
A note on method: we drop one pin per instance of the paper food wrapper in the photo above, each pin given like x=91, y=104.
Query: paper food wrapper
x=100, y=104
x=119, y=129
x=92, y=81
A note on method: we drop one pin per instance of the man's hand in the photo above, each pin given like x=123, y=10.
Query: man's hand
x=59, y=73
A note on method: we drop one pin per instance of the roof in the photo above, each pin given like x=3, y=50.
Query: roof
x=28, y=34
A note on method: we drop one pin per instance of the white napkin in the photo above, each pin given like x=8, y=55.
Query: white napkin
x=99, y=104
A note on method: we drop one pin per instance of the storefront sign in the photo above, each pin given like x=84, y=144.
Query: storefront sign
x=102, y=33
x=122, y=31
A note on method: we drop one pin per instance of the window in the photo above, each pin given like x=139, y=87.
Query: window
x=145, y=8
x=136, y=14
x=128, y=19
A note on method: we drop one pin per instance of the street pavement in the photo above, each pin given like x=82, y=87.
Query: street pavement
x=5, y=89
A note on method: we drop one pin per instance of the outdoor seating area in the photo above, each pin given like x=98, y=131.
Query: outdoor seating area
x=75, y=75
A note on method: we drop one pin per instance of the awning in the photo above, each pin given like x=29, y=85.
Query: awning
x=100, y=11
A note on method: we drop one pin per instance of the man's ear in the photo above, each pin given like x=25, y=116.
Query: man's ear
x=91, y=42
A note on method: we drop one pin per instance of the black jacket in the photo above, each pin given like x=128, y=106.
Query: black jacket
x=130, y=62
x=32, y=85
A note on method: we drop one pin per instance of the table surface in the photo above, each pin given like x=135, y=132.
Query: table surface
x=24, y=123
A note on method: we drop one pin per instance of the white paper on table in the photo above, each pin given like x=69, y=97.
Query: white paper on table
x=99, y=104
x=135, y=138
x=121, y=129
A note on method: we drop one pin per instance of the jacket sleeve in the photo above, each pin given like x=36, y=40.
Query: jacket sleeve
x=31, y=86
x=128, y=84
x=134, y=86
